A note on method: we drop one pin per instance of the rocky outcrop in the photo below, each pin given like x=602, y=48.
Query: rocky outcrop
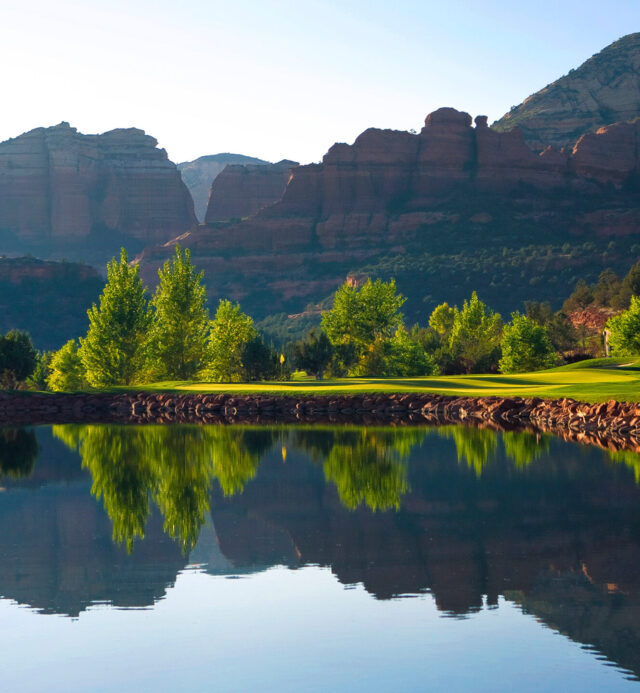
x=603, y=90
x=241, y=190
x=198, y=175
x=612, y=425
x=61, y=189
x=453, y=186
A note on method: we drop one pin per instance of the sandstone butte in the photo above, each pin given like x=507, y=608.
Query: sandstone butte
x=62, y=189
x=241, y=190
x=393, y=191
x=603, y=90
x=199, y=174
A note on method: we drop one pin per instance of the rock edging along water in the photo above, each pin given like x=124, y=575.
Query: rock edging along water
x=615, y=425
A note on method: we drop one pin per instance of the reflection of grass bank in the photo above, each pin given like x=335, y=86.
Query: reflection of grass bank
x=593, y=381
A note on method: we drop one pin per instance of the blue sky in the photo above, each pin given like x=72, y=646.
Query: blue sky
x=279, y=78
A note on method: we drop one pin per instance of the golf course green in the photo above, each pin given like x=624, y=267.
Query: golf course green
x=596, y=380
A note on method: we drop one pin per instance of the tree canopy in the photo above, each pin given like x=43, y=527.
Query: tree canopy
x=180, y=320
x=113, y=350
x=66, y=371
x=230, y=331
x=360, y=315
x=18, y=358
x=475, y=335
x=525, y=346
x=624, y=329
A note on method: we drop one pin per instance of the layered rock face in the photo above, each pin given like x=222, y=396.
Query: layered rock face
x=603, y=90
x=58, y=187
x=241, y=190
x=454, y=185
x=198, y=175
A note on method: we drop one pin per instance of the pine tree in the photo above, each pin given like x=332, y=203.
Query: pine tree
x=180, y=320
x=113, y=350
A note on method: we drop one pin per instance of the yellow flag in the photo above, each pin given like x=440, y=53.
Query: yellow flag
x=281, y=358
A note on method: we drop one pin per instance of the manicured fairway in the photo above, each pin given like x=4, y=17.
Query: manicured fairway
x=593, y=381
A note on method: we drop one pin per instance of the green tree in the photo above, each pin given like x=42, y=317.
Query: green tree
x=475, y=336
x=407, y=356
x=525, y=346
x=230, y=331
x=442, y=318
x=38, y=379
x=360, y=316
x=66, y=372
x=113, y=351
x=624, y=329
x=631, y=283
x=180, y=324
x=581, y=297
x=260, y=362
x=313, y=353
x=539, y=311
x=18, y=358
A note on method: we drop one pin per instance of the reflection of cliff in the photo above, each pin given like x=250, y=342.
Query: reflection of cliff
x=462, y=536
x=596, y=614
x=56, y=552
x=550, y=525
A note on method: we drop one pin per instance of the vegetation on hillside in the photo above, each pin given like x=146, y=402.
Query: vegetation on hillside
x=133, y=340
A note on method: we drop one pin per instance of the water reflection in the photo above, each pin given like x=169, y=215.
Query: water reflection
x=463, y=513
x=174, y=466
x=18, y=452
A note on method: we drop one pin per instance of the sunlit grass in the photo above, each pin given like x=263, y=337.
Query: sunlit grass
x=594, y=381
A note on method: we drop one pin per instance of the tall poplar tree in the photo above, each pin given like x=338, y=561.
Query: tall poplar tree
x=113, y=350
x=180, y=319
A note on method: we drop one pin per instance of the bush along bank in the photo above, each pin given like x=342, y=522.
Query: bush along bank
x=613, y=425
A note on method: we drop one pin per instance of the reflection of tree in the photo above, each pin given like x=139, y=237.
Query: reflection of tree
x=121, y=471
x=174, y=465
x=524, y=448
x=233, y=464
x=473, y=445
x=369, y=466
x=18, y=452
x=630, y=459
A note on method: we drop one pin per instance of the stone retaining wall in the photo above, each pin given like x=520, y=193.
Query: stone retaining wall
x=614, y=425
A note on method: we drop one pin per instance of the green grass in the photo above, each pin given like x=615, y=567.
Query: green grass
x=597, y=380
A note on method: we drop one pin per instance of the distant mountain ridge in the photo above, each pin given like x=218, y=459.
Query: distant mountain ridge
x=603, y=90
x=199, y=174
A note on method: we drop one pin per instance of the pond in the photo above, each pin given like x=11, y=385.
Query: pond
x=229, y=558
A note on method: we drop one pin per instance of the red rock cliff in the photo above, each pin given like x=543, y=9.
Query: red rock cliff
x=241, y=190
x=57, y=186
x=395, y=192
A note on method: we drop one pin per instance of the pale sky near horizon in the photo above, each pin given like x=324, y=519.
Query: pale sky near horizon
x=282, y=79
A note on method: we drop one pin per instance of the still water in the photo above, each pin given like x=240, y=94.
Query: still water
x=195, y=558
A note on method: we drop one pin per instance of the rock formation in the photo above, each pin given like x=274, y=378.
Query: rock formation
x=198, y=175
x=60, y=188
x=453, y=186
x=241, y=190
x=603, y=90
